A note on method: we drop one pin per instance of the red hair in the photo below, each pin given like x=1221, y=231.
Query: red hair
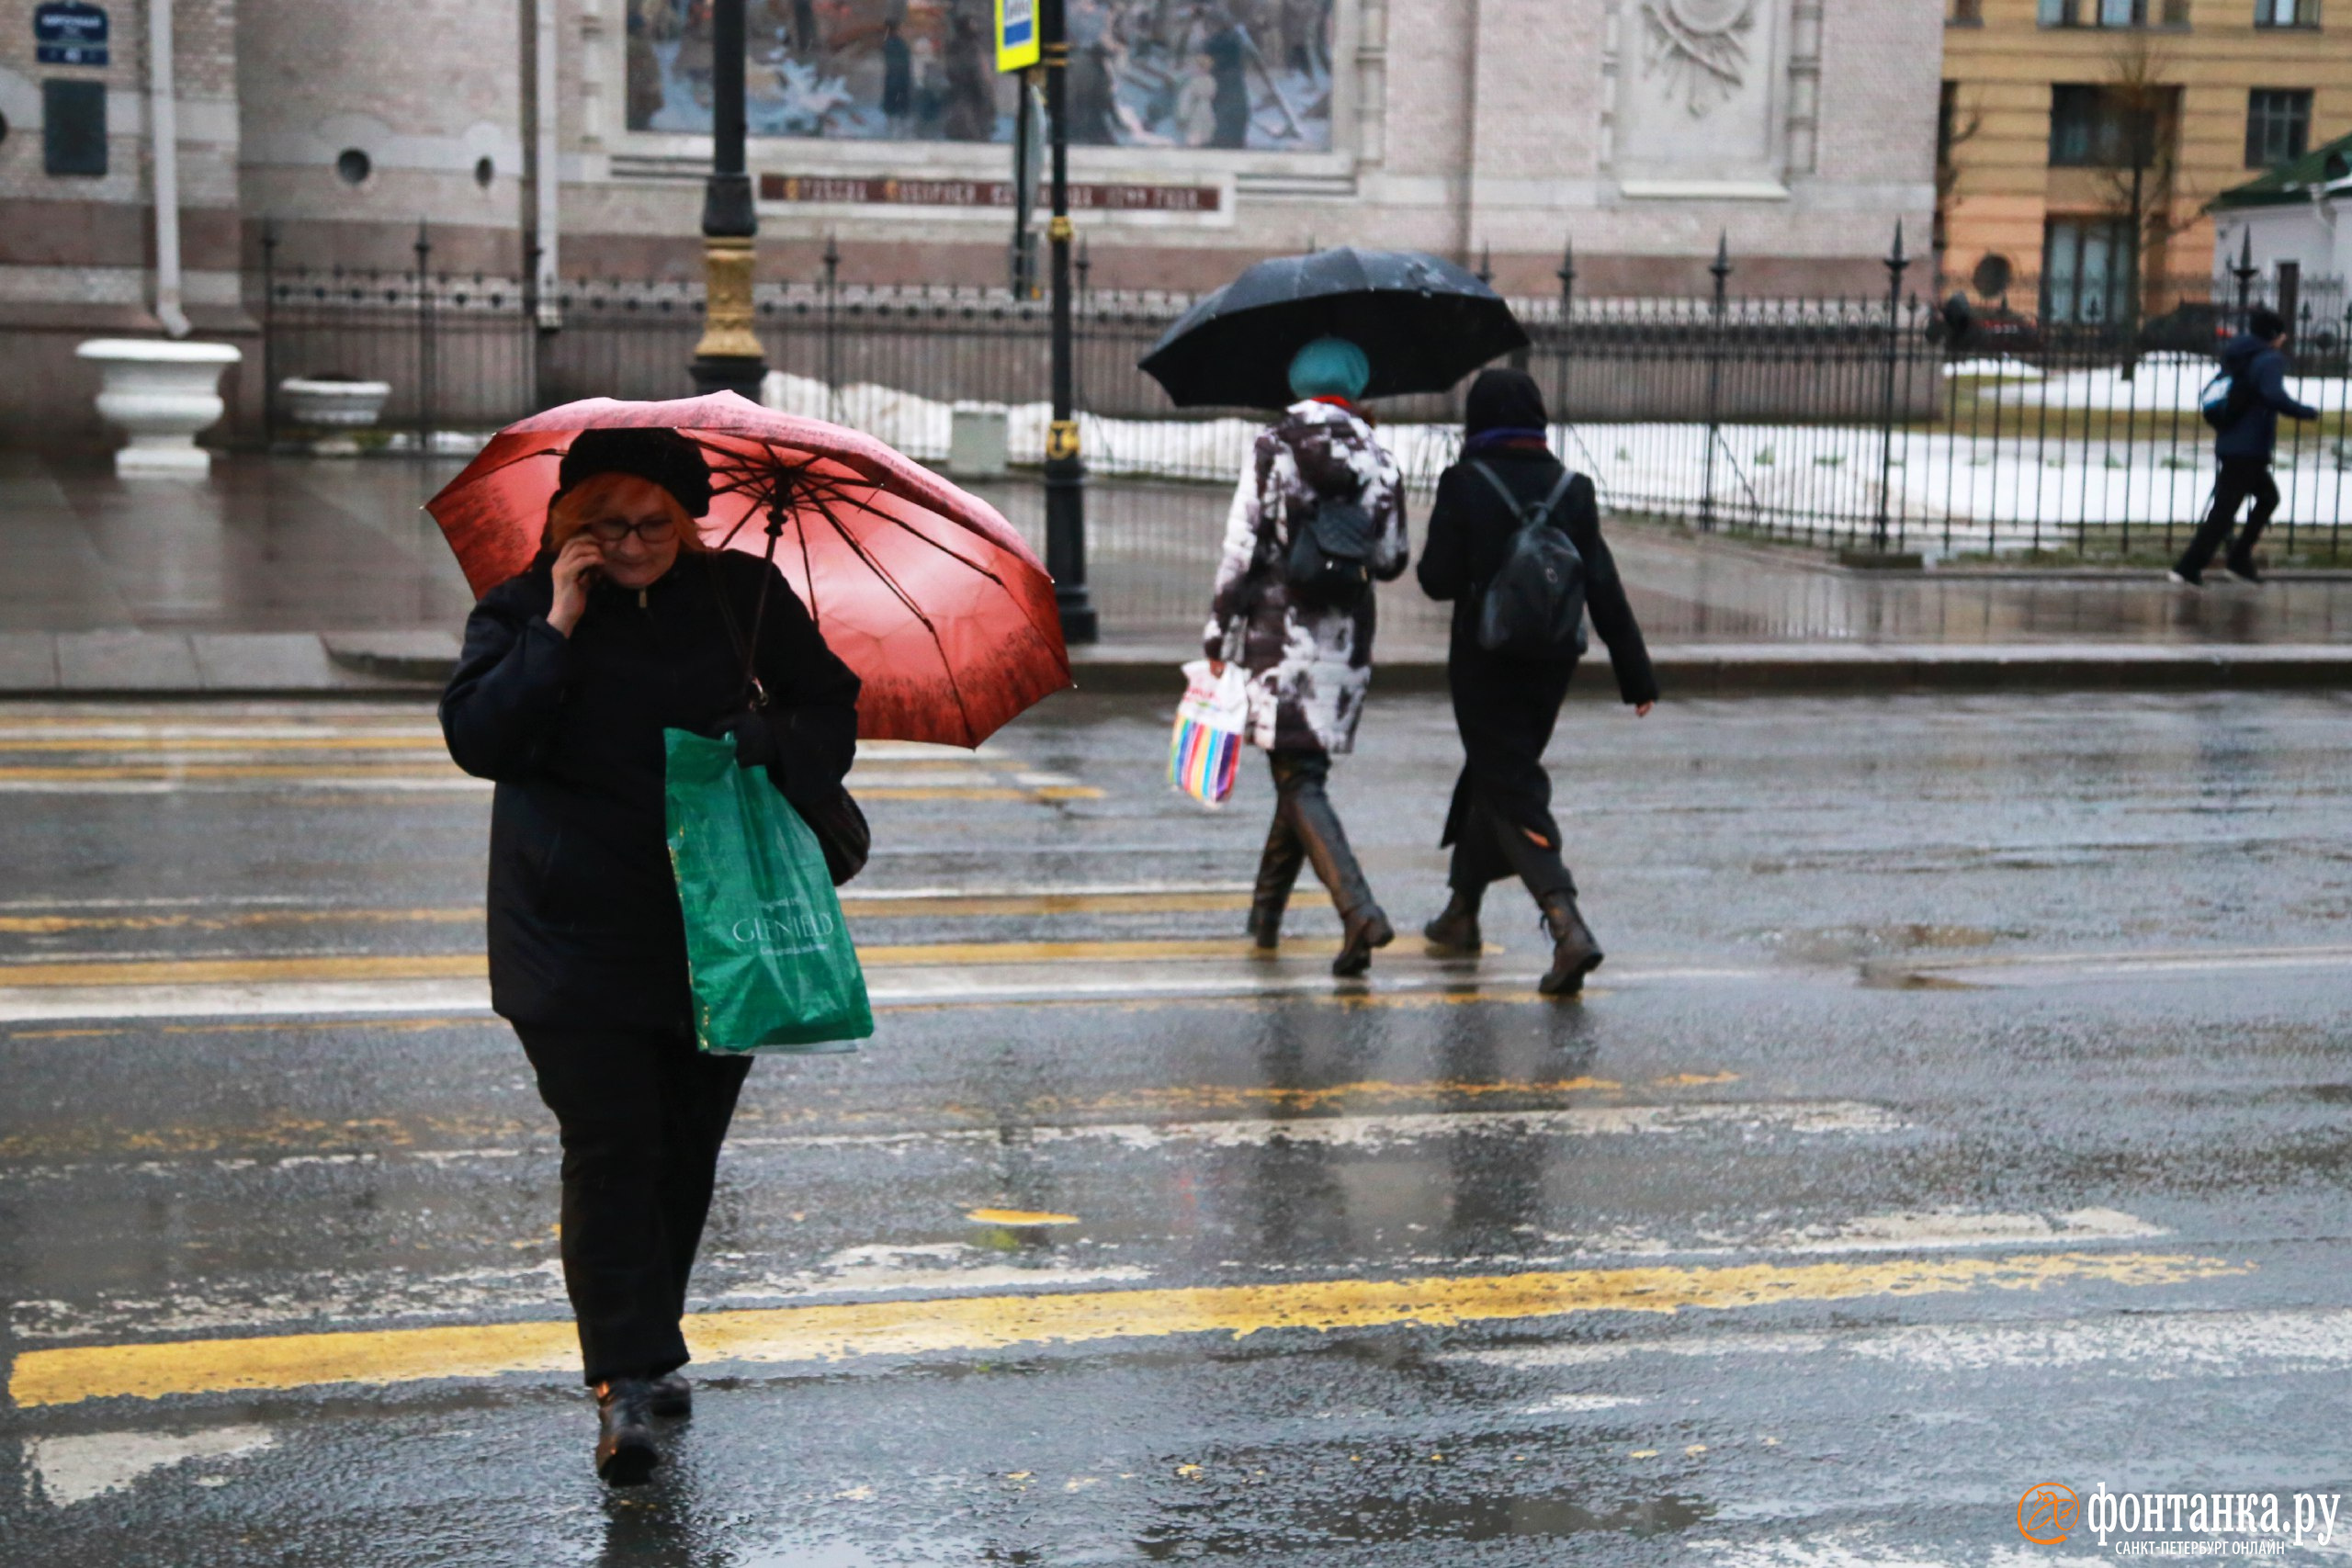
x=600, y=495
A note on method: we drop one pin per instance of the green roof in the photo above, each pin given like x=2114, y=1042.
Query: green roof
x=2291, y=182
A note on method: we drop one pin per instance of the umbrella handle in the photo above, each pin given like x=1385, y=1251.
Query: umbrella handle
x=756, y=694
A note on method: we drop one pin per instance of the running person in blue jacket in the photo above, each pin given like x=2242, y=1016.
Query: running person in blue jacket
x=2256, y=362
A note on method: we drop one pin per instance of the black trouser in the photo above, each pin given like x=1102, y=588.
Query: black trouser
x=1489, y=846
x=642, y=1115
x=1306, y=829
x=2240, y=478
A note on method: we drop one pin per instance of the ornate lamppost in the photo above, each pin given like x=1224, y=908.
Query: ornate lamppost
x=728, y=358
x=1064, y=468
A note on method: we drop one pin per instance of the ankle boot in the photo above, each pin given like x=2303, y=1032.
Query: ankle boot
x=1575, y=954
x=626, y=1455
x=1455, y=933
x=673, y=1397
x=1366, y=929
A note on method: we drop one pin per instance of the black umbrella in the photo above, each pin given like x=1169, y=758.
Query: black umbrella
x=1424, y=323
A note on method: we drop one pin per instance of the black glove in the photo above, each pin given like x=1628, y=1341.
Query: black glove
x=755, y=744
x=839, y=826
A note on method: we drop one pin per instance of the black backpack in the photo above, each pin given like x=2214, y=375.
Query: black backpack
x=1534, y=605
x=1331, y=556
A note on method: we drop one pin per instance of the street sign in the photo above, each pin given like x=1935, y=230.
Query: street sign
x=69, y=32
x=1016, y=34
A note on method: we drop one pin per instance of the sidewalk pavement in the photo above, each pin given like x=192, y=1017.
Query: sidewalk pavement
x=292, y=576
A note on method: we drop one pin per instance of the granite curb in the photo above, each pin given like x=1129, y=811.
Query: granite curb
x=127, y=664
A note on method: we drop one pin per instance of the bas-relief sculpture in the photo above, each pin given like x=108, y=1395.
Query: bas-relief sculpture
x=1699, y=99
x=1699, y=48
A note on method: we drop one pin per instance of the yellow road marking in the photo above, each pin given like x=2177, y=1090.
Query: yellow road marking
x=51, y=925
x=1467, y=995
x=927, y=907
x=242, y=971
x=955, y=954
x=430, y=745
x=470, y=965
x=977, y=792
x=834, y=1331
x=285, y=1134
x=168, y=771
x=158, y=772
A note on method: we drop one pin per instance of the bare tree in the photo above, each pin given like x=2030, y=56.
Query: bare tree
x=2140, y=168
x=1958, y=122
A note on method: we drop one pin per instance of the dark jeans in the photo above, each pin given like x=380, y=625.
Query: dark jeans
x=1306, y=829
x=642, y=1116
x=1490, y=847
x=2240, y=478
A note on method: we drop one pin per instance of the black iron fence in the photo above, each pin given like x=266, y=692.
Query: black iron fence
x=1895, y=423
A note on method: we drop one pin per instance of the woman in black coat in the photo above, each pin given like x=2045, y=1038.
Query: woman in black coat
x=1500, y=823
x=572, y=670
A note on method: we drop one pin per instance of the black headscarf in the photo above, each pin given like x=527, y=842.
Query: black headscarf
x=1505, y=408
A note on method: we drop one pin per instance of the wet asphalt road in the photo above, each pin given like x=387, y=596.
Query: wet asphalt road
x=1962, y=1108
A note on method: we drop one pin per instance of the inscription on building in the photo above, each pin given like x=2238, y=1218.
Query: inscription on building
x=892, y=191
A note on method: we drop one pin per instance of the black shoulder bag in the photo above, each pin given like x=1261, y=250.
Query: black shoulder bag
x=840, y=827
x=1330, y=566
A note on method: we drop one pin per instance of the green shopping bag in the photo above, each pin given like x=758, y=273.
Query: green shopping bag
x=770, y=957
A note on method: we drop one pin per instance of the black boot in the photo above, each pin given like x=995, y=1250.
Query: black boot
x=1455, y=933
x=1277, y=872
x=625, y=1452
x=1575, y=954
x=1316, y=829
x=674, y=1397
x=1366, y=929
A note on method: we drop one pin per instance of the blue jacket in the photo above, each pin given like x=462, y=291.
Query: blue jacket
x=2262, y=371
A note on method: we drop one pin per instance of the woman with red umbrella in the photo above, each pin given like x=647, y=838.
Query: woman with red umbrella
x=624, y=624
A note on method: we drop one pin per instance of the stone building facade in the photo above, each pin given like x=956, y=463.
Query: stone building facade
x=2078, y=136
x=1223, y=130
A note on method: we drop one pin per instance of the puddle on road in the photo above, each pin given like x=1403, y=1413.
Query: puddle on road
x=1846, y=944
x=1383, y=1518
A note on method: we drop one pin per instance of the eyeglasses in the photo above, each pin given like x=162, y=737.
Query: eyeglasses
x=612, y=531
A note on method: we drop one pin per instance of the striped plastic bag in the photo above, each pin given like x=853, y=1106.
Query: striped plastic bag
x=1205, y=752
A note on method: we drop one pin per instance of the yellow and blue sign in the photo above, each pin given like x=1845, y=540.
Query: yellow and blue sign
x=1016, y=34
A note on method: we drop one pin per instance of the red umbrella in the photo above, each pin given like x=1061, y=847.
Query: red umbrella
x=924, y=589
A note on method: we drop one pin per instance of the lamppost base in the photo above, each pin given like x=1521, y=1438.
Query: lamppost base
x=1079, y=622
x=728, y=373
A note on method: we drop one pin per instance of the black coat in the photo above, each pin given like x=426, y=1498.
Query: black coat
x=1504, y=707
x=585, y=931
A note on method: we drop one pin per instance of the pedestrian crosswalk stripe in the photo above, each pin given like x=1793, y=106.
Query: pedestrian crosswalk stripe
x=836, y=1331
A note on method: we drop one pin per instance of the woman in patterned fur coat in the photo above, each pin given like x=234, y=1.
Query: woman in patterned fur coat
x=1309, y=668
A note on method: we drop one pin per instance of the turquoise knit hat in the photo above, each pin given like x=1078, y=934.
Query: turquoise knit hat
x=1330, y=367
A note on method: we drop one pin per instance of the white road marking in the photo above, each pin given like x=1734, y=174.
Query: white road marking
x=2151, y=1346
x=1833, y=1116
x=2072, y=968
x=1074, y=980
x=72, y=1469
x=1862, y=1547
